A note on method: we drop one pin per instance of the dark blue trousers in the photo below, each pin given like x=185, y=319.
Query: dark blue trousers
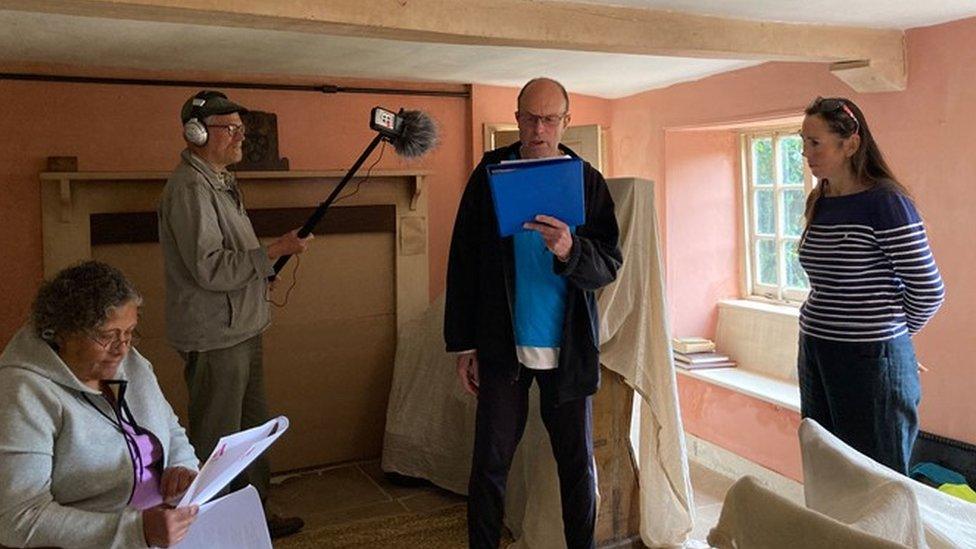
x=502, y=412
x=866, y=394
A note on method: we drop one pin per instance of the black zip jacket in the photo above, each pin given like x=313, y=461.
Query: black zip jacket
x=481, y=282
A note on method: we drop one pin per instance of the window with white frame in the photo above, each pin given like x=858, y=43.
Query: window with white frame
x=775, y=183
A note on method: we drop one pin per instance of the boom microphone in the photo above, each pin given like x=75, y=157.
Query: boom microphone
x=412, y=134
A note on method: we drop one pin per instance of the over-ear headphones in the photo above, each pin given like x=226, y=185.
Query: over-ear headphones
x=194, y=130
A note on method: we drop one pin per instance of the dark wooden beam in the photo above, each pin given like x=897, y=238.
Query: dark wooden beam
x=140, y=227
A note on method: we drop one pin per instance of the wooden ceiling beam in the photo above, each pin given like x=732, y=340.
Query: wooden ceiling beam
x=867, y=59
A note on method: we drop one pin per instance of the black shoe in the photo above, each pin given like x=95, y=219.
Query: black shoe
x=279, y=526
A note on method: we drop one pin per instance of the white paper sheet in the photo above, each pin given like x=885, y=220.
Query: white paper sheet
x=232, y=455
x=235, y=521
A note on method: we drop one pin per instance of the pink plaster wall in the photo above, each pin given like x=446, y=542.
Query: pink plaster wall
x=721, y=416
x=702, y=235
x=925, y=132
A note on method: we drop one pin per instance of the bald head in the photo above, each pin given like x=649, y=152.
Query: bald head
x=542, y=116
x=548, y=84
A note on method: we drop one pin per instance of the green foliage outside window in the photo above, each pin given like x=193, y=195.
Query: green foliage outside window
x=778, y=194
x=791, y=149
x=762, y=161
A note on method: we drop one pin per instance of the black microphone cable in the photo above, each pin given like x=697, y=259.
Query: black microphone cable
x=294, y=281
x=298, y=258
x=363, y=179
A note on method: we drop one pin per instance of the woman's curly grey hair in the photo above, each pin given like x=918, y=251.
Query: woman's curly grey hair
x=79, y=299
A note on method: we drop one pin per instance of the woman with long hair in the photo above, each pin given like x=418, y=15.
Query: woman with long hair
x=874, y=284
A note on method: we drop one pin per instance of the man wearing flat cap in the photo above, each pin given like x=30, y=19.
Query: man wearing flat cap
x=217, y=274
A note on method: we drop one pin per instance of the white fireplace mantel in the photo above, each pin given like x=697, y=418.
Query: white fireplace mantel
x=70, y=198
x=65, y=180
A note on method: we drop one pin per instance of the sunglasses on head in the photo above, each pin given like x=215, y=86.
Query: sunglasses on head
x=822, y=105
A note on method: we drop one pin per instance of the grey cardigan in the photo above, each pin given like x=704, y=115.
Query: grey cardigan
x=216, y=269
x=65, y=471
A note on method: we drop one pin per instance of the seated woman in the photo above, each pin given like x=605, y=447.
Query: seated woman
x=89, y=448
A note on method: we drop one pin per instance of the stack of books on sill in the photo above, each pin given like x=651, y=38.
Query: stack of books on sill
x=698, y=353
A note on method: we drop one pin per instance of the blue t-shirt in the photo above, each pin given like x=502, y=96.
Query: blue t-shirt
x=540, y=294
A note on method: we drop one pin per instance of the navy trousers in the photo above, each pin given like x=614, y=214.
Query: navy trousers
x=502, y=412
x=866, y=394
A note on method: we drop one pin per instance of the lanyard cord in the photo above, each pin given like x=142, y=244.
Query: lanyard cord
x=131, y=446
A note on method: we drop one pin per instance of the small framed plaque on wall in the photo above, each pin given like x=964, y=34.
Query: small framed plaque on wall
x=260, y=143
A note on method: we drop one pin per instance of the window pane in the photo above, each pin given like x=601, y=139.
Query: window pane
x=795, y=276
x=791, y=149
x=762, y=161
x=765, y=215
x=766, y=260
x=794, y=202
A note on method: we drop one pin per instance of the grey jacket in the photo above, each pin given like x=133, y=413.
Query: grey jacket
x=65, y=472
x=216, y=270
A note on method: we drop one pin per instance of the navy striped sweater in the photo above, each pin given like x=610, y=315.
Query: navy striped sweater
x=872, y=274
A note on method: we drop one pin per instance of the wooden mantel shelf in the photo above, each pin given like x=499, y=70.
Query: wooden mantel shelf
x=65, y=179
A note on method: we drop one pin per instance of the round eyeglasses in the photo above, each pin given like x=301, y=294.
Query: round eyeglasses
x=530, y=119
x=232, y=129
x=114, y=340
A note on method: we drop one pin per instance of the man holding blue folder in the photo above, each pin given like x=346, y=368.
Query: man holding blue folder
x=523, y=307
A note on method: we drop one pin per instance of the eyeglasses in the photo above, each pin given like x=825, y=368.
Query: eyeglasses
x=530, y=119
x=821, y=104
x=113, y=341
x=232, y=129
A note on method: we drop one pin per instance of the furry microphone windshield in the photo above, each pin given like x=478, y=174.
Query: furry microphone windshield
x=418, y=134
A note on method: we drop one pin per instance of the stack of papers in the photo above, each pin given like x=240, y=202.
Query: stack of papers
x=235, y=520
x=702, y=361
x=692, y=344
x=232, y=455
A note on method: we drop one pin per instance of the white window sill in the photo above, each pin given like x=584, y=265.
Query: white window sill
x=769, y=389
x=762, y=305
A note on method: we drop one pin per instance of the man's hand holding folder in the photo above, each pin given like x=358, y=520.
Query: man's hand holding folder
x=558, y=238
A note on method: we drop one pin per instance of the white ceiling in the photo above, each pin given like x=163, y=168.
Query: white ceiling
x=86, y=41
x=894, y=14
